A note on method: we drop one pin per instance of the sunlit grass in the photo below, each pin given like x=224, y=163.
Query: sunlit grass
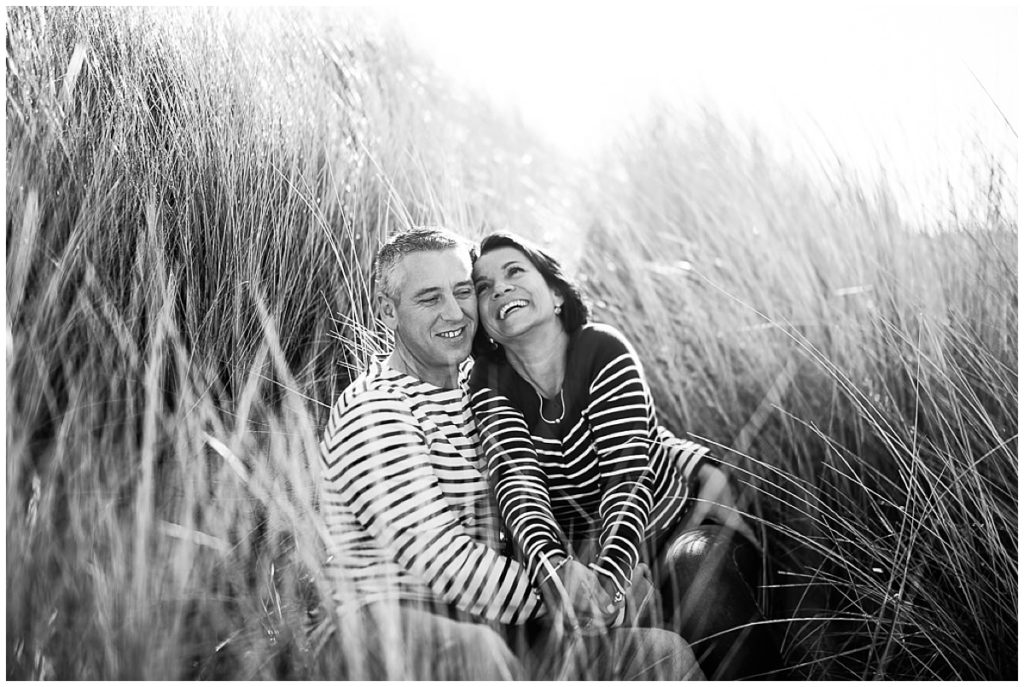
x=859, y=373
x=193, y=202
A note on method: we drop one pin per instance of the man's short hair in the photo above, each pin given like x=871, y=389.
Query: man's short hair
x=415, y=240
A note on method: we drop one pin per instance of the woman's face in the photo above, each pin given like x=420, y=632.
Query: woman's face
x=512, y=295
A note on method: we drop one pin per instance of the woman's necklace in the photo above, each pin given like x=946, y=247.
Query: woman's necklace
x=540, y=410
x=522, y=369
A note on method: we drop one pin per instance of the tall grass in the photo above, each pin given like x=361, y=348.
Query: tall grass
x=193, y=200
x=860, y=373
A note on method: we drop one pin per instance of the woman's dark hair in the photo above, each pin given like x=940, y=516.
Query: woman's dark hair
x=575, y=312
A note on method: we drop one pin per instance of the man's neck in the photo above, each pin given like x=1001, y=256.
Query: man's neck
x=447, y=378
x=539, y=358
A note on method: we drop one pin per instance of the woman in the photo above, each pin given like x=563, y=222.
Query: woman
x=590, y=487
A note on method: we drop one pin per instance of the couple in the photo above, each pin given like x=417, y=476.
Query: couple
x=596, y=561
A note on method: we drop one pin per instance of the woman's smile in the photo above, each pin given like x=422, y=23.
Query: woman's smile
x=512, y=294
x=510, y=307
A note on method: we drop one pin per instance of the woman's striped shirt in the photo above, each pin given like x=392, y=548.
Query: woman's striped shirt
x=407, y=505
x=606, y=472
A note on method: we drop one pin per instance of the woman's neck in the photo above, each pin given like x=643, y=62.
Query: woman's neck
x=539, y=358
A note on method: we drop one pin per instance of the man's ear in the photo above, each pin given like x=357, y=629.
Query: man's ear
x=388, y=311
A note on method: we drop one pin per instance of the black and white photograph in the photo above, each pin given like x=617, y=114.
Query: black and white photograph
x=537, y=341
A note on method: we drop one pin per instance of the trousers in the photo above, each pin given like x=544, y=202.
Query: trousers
x=401, y=641
x=435, y=641
x=627, y=653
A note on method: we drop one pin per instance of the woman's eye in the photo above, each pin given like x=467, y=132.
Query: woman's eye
x=481, y=287
x=514, y=269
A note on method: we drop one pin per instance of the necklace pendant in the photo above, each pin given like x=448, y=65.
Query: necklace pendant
x=540, y=408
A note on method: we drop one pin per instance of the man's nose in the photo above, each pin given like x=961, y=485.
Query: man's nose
x=451, y=310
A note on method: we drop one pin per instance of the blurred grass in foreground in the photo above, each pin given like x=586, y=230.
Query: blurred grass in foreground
x=193, y=200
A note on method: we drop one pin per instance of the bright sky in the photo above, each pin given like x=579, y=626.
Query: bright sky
x=899, y=82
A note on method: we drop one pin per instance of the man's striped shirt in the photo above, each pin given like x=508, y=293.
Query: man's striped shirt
x=407, y=505
x=607, y=472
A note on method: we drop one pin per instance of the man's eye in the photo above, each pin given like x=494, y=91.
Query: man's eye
x=430, y=300
x=464, y=293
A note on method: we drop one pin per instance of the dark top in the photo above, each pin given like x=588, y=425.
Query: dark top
x=604, y=473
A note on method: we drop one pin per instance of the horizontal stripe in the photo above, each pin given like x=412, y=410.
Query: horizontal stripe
x=407, y=505
x=599, y=469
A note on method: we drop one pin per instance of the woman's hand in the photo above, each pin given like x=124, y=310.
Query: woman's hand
x=578, y=597
x=588, y=598
x=629, y=607
x=716, y=500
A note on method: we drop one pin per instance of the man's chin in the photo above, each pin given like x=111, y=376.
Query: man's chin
x=456, y=356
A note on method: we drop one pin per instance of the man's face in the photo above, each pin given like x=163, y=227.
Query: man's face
x=434, y=317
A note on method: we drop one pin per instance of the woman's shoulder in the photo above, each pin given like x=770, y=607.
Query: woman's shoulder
x=600, y=338
x=596, y=349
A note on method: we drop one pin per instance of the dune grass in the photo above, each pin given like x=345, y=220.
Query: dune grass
x=859, y=373
x=193, y=200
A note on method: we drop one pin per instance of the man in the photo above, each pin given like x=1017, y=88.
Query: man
x=414, y=534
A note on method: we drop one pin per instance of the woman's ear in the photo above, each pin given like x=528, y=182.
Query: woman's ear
x=558, y=298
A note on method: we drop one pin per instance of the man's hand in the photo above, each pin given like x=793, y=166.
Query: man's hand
x=577, y=597
x=716, y=500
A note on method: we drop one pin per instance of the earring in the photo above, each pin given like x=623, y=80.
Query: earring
x=558, y=310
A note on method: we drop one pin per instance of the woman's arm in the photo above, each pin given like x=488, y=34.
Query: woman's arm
x=716, y=501
x=569, y=589
x=518, y=480
x=619, y=413
x=709, y=486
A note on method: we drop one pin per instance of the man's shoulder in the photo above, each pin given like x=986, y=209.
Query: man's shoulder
x=375, y=385
x=379, y=384
x=373, y=397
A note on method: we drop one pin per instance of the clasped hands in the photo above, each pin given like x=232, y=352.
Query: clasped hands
x=582, y=601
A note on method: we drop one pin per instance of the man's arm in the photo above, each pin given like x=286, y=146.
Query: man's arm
x=376, y=457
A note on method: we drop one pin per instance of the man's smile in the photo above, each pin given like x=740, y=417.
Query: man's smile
x=452, y=333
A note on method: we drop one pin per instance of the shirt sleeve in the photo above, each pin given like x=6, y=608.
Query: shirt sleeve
x=518, y=480
x=620, y=412
x=686, y=456
x=377, y=458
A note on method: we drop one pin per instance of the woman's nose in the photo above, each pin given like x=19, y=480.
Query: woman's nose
x=500, y=288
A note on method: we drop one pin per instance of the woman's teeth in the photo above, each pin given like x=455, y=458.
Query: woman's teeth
x=504, y=311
